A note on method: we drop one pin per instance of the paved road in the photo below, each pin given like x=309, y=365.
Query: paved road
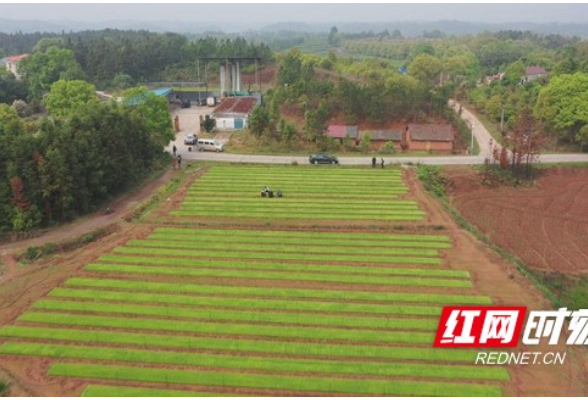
x=480, y=133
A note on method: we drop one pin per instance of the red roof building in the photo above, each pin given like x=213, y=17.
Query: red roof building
x=12, y=63
x=233, y=113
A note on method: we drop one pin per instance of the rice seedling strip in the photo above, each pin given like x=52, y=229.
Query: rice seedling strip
x=253, y=362
x=248, y=303
x=296, y=383
x=277, y=293
x=277, y=255
x=286, y=347
x=227, y=214
x=362, y=322
x=131, y=391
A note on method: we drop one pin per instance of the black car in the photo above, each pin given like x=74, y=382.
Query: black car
x=186, y=104
x=323, y=158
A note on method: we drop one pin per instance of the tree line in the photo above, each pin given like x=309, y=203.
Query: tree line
x=111, y=58
x=83, y=153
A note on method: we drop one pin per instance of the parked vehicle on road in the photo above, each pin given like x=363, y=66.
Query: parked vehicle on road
x=323, y=158
x=191, y=138
x=209, y=145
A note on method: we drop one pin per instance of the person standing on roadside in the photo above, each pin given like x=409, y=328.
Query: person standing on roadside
x=382, y=162
x=374, y=162
x=174, y=149
x=179, y=161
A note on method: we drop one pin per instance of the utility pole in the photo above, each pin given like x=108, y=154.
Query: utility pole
x=470, y=123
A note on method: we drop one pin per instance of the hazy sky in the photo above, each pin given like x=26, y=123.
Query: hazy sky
x=312, y=13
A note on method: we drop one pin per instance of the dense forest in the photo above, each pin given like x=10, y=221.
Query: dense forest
x=56, y=168
x=133, y=56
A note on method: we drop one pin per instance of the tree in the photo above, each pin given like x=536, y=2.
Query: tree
x=334, y=39
x=66, y=98
x=11, y=89
x=153, y=110
x=122, y=81
x=582, y=136
x=208, y=124
x=365, y=142
x=259, y=120
x=42, y=69
x=562, y=105
x=525, y=143
x=426, y=68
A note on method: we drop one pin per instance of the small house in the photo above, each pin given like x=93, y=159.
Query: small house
x=381, y=137
x=343, y=131
x=12, y=62
x=233, y=113
x=430, y=137
x=533, y=73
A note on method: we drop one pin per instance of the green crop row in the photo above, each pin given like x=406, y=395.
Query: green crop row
x=276, y=209
x=249, y=303
x=334, y=203
x=341, y=269
x=129, y=391
x=247, y=191
x=286, y=248
x=204, y=239
x=226, y=328
x=284, y=347
x=279, y=275
x=277, y=382
x=381, y=237
x=254, y=363
x=284, y=205
x=293, y=295
x=227, y=253
x=228, y=214
x=291, y=318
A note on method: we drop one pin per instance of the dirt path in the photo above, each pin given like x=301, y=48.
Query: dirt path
x=120, y=208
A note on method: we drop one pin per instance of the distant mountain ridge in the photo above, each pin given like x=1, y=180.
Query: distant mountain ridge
x=408, y=28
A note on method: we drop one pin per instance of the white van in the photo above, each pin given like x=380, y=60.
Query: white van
x=209, y=145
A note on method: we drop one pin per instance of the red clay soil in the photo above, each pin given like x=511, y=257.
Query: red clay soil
x=545, y=225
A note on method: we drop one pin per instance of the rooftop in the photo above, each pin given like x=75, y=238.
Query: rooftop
x=162, y=91
x=387, y=134
x=535, y=71
x=431, y=132
x=236, y=105
x=16, y=58
x=342, y=131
